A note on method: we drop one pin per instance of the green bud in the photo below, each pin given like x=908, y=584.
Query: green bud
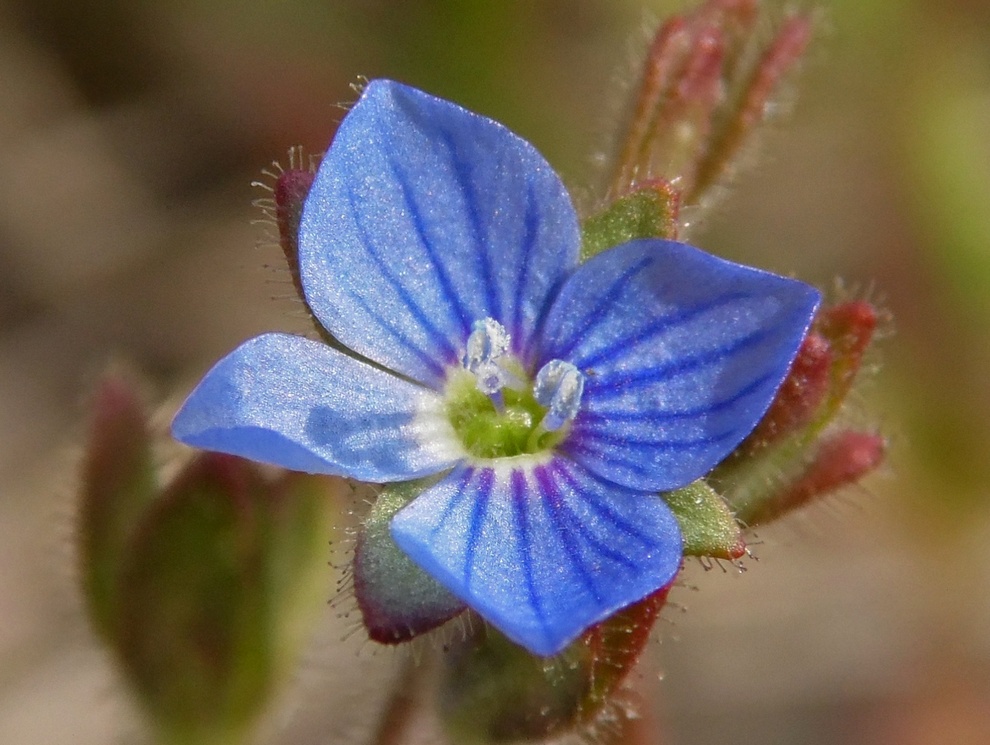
x=118, y=483
x=707, y=524
x=215, y=587
x=494, y=691
x=398, y=600
x=650, y=211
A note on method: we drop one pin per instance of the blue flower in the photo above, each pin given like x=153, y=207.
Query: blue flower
x=549, y=400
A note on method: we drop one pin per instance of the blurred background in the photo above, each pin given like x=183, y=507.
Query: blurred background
x=130, y=133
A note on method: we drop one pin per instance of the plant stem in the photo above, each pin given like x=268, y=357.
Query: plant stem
x=400, y=709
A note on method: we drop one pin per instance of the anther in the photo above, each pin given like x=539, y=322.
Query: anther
x=487, y=344
x=558, y=388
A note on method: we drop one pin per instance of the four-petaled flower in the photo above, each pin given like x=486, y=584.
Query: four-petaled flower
x=550, y=401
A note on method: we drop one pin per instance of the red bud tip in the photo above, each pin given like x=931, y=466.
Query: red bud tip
x=849, y=328
x=841, y=460
x=703, y=89
x=291, y=189
x=800, y=395
x=783, y=53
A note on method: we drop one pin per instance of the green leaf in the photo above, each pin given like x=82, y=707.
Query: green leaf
x=707, y=525
x=648, y=212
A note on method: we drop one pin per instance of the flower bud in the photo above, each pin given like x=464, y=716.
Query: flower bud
x=494, y=691
x=705, y=88
x=799, y=399
x=840, y=460
x=291, y=188
x=205, y=589
x=397, y=599
x=216, y=586
x=118, y=483
x=648, y=211
x=786, y=440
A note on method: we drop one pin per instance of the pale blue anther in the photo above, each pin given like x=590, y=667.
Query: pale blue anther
x=558, y=387
x=486, y=345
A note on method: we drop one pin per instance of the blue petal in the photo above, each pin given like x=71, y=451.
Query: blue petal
x=682, y=351
x=302, y=405
x=424, y=218
x=540, y=551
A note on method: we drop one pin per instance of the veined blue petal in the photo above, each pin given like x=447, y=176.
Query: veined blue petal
x=682, y=352
x=300, y=404
x=425, y=218
x=542, y=550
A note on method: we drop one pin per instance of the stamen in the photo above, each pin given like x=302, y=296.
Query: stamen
x=559, y=386
x=488, y=342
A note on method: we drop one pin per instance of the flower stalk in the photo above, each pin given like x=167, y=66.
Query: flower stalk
x=706, y=86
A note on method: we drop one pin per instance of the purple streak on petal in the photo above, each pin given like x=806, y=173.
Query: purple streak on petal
x=456, y=309
x=620, y=383
x=428, y=362
x=463, y=179
x=439, y=352
x=682, y=352
x=568, y=520
x=302, y=405
x=603, y=418
x=555, y=550
x=562, y=518
x=481, y=495
x=520, y=509
x=531, y=224
x=654, y=329
x=421, y=210
x=559, y=345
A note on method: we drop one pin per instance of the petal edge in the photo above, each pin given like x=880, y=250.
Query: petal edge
x=302, y=405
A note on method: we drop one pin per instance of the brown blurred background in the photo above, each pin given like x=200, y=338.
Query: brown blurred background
x=130, y=132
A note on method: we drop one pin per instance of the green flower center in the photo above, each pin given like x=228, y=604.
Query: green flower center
x=489, y=433
x=496, y=411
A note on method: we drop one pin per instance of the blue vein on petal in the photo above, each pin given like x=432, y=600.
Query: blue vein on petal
x=574, y=447
x=669, y=446
x=452, y=503
x=530, y=223
x=603, y=389
x=657, y=327
x=562, y=350
x=441, y=342
x=481, y=243
x=435, y=367
x=520, y=505
x=478, y=515
x=599, y=417
x=419, y=224
x=553, y=503
x=549, y=480
x=604, y=510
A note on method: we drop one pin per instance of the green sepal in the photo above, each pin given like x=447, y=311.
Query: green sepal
x=650, y=211
x=708, y=526
x=494, y=691
x=397, y=599
x=118, y=483
x=217, y=588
